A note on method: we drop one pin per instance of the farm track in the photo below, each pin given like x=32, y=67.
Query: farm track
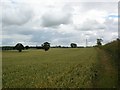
x=108, y=72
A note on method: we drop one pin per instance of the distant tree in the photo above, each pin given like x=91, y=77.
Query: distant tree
x=46, y=46
x=118, y=39
x=26, y=47
x=59, y=46
x=19, y=47
x=99, y=42
x=73, y=45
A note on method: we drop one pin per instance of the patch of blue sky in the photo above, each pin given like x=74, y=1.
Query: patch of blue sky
x=114, y=16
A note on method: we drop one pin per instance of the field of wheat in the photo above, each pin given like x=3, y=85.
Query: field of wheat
x=56, y=68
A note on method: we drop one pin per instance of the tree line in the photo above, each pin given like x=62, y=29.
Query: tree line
x=45, y=46
x=21, y=47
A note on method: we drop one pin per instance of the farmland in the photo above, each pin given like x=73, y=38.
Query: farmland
x=58, y=68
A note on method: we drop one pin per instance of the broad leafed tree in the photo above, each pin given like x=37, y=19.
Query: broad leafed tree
x=99, y=42
x=73, y=45
x=19, y=47
x=46, y=46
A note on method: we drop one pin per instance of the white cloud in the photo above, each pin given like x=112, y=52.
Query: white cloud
x=15, y=14
x=90, y=25
x=58, y=22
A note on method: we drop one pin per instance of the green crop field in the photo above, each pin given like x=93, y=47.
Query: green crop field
x=58, y=68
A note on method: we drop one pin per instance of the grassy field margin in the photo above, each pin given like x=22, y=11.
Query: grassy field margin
x=108, y=76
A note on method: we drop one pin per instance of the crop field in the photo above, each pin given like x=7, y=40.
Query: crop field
x=58, y=68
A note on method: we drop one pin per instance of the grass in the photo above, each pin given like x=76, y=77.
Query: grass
x=108, y=74
x=78, y=67
x=113, y=48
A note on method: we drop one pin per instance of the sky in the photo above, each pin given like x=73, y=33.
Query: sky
x=60, y=22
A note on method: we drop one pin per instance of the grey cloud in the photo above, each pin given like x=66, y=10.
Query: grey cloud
x=62, y=41
x=52, y=36
x=37, y=36
x=56, y=17
x=16, y=14
x=90, y=25
x=7, y=41
x=49, y=20
x=15, y=29
x=15, y=38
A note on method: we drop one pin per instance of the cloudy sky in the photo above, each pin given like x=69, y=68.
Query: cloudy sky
x=32, y=22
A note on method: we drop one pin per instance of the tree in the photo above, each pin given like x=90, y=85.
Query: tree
x=26, y=47
x=46, y=46
x=19, y=47
x=118, y=39
x=73, y=45
x=99, y=42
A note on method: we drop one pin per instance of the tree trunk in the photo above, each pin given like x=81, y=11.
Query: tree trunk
x=20, y=50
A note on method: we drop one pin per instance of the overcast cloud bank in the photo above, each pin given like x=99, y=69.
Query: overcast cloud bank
x=59, y=23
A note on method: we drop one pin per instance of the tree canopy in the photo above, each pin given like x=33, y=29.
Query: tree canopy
x=46, y=46
x=73, y=45
x=99, y=42
x=19, y=47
